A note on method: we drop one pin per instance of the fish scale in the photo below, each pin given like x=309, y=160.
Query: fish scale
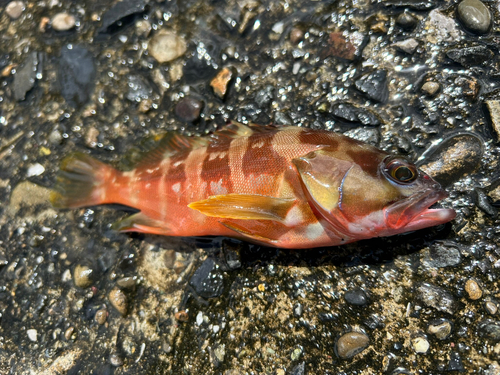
x=287, y=187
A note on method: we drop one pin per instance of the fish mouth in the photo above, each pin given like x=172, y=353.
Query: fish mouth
x=414, y=212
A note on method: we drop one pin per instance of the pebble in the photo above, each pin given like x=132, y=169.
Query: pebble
x=351, y=343
x=166, y=46
x=374, y=85
x=119, y=300
x=63, y=22
x=441, y=28
x=14, y=9
x=356, y=297
x=115, y=359
x=300, y=369
x=25, y=77
x=82, y=276
x=473, y=289
x=297, y=352
x=70, y=334
x=55, y=137
x=188, y=109
x=408, y=46
x=351, y=113
x=491, y=307
x=453, y=158
x=182, y=316
x=471, y=56
x=494, y=110
x=443, y=254
x=347, y=46
x=76, y=74
x=296, y=35
x=406, y=20
x=127, y=282
x=489, y=329
x=475, y=16
x=420, y=344
x=32, y=334
x=441, y=328
x=35, y=170
x=455, y=364
x=436, y=297
x=431, y=88
x=483, y=202
x=220, y=82
x=207, y=280
x=101, y=316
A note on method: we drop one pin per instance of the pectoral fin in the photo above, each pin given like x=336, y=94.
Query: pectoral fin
x=142, y=224
x=244, y=206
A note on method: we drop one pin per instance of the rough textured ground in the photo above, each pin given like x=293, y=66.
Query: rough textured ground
x=412, y=77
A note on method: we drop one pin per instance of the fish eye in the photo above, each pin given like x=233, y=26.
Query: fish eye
x=401, y=171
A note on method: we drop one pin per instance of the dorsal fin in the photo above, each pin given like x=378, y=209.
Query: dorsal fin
x=236, y=130
x=155, y=149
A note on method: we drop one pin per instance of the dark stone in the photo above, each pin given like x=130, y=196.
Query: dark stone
x=356, y=297
x=436, y=297
x=444, y=254
x=471, y=56
x=120, y=14
x=350, y=113
x=406, y=21
x=76, y=75
x=374, y=85
x=202, y=67
x=188, y=109
x=300, y=369
x=455, y=363
x=483, y=202
x=489, y=329
x=281, y=118
x=138, y=89
x=207, y=280
x=25, y=77
x=453, y=158
x=264, y=97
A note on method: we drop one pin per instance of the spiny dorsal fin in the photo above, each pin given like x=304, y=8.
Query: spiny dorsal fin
x=236, y=130
x=162, y=146
x=156, y=148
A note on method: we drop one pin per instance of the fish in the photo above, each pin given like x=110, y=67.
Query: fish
x=280, y=186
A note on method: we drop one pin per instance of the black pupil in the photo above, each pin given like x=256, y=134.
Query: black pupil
x=403, y=174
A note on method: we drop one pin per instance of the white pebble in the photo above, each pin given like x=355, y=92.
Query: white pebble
x=199, y=319
x=14, y=9
x=63, y=22
x=166, y=46
x=32, y=334
x=216, y=328
x=35, y=170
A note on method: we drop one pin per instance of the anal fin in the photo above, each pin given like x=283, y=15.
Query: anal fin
x=142, y=224
x=247, y=234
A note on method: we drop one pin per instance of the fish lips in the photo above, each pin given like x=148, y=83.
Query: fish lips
x=413, y=213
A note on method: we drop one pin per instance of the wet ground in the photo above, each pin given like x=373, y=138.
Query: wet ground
x=412, y=77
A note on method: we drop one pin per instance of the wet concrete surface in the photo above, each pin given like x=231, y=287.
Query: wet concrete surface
x=77, y=297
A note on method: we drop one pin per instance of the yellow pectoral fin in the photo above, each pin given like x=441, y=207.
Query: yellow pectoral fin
x=245, y=207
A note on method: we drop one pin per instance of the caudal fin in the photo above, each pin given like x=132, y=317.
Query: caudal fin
x=81, y=182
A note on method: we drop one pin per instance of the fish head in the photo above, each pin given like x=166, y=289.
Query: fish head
x=371, y=193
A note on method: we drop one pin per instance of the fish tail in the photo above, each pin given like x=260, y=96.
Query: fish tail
x=81, y=181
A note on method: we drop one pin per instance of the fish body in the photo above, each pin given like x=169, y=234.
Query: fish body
x=288, y=187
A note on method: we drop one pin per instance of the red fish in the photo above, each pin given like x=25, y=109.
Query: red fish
x=287, y=187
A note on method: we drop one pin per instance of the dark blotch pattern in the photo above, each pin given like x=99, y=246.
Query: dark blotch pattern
x=264, y=158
